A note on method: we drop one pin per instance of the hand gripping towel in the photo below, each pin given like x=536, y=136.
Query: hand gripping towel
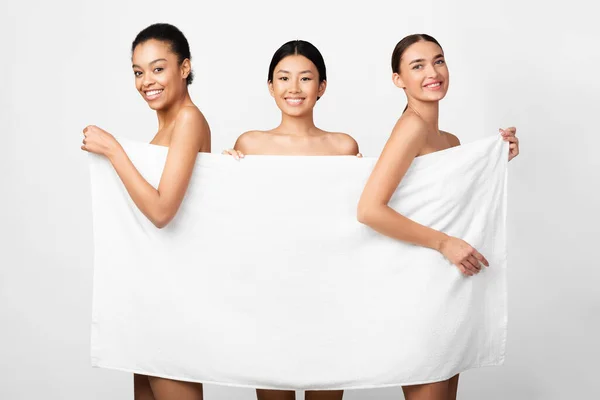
x=266, y=279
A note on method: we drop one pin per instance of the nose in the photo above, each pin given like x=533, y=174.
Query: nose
x=294, y=86
x=432, y=71
x=147, y=80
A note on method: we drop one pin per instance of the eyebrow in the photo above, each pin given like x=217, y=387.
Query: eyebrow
x=155, y=61
x=302, y=72
x=422, y=59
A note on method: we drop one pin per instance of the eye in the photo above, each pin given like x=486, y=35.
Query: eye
x=283, y=78
x=137, y=73
x=158, y=69
x=306, y=79
x=440, y=61
x=418, y=66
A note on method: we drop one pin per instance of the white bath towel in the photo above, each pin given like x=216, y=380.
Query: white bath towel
x=266, y=279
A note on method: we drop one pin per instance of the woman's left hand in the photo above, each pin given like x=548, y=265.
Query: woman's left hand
x=98, y=141
x=509, y=134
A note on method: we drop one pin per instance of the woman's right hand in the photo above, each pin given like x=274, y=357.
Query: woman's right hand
x=463, y=255
x=235, y=153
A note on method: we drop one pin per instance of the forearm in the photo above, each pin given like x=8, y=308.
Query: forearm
x=143, y=194
x=386, y=221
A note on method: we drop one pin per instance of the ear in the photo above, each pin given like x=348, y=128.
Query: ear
x=271, y=91
x=322, y=87
x=398, y=80
x=186, y=68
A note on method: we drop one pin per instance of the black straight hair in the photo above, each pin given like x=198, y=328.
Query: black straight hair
x=301, y=48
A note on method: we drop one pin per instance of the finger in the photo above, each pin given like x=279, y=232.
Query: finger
x=470, y=267
x=462, y=269
x=84, y=141
x=465, y=270
x=512, y=154
x=508, y=131
x=359, y=155
x=240, y=154
x=480, y=257
x=83, y=148
x=475, y=262
x=231, y=152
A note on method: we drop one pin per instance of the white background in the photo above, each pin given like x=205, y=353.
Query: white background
x=65, y=65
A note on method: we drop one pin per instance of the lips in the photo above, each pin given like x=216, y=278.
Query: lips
x=294, y=101
x=153, y=94
x=433, y=85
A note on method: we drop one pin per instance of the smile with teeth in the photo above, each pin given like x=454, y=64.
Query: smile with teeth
x=153, y=94
x=434, y=85
x=294, y=101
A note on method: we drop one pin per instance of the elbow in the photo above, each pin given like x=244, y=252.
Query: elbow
x=370, y=213
x=162, y=219
x=160, y=224
x=363, y=214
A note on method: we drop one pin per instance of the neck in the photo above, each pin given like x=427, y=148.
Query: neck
x=429, y=111
x=168, y=114
x=301, y=125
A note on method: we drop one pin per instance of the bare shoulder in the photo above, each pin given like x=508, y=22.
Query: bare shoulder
x=344, y=142
x=453, y=139
x=190, y=124
x=410, y=128
x=408, y=138
x=190, y=115
x=247, y=140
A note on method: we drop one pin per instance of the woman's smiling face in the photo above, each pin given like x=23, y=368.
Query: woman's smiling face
x=296, y=85
x=159, y=77
x=423, y=72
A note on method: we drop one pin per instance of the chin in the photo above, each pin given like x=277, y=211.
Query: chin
x=156, y=106
x=434, y=97
x=439, y=97
x=296, y=112
x=293, y=111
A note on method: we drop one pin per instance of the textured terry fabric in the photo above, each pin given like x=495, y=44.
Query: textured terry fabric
x=265, y=278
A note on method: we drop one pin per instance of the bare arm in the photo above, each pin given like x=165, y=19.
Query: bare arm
x=401, y=149
x=190, y=133
x=404, y=144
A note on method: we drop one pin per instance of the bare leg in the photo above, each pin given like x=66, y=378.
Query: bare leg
x=168, y=389
x=428, y=391
x=264, y=394
x=453, y=387
x=141, y=388
x=323, y=395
